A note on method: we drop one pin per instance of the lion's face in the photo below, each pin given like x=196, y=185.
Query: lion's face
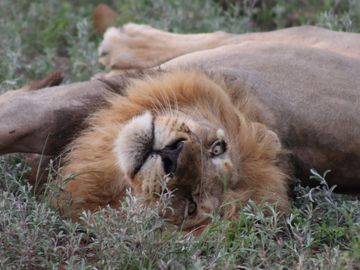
x=181, y=133
x=191, y=157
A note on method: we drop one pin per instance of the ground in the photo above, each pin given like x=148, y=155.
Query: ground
x=322, y=230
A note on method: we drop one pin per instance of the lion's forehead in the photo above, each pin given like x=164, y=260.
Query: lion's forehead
x=168, y=128
x=173, y=126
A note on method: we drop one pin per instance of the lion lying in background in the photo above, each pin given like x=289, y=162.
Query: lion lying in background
x=219, y=118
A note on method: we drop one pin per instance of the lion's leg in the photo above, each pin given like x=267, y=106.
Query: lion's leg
x=135, y=46
x=43, y=121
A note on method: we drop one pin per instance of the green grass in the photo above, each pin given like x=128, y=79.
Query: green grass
x=322, y=230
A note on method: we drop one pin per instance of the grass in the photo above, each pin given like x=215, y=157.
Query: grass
x=322, y=230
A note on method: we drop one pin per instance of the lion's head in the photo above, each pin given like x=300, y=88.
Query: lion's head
x=181, y=130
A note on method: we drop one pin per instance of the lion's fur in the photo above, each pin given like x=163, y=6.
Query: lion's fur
x=98, y=180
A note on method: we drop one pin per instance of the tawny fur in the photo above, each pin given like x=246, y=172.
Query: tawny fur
x=96, y=179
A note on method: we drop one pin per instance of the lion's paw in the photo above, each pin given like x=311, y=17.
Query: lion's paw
x=133, y=46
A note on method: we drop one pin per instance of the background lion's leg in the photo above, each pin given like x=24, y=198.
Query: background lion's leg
x=135, y=46
x=45, y=120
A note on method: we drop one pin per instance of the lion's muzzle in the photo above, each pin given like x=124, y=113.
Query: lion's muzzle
x=169, y=155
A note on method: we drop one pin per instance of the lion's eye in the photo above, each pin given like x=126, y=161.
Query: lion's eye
x=218, y=148
x=191, y=208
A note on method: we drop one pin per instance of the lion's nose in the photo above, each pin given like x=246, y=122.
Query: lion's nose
x=170, y=154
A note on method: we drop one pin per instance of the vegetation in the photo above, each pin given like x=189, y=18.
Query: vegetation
x=322, y=230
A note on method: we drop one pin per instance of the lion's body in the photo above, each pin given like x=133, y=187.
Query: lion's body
x=296, y=83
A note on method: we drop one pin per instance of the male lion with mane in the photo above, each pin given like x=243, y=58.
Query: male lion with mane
x=184, y=128
x=216, y=119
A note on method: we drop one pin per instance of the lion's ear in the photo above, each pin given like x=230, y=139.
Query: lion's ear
x=103, y=17
x=268, y=140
